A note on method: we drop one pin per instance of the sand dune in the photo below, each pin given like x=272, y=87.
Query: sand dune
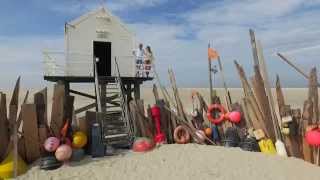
x=183, y=162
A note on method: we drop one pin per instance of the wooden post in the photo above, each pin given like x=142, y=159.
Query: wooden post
x=227, y=93
x=254, y=48
x=57, y=113
x=264, y=73
x=4, y=133
x=294, y=66
x=30, y=129
x=137, y=90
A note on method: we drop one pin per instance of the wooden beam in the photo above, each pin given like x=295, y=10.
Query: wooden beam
x=82, y=94
x=292, y=65
x=30, y=129
x=57, y=113
x=85, y=108
x=4, y=129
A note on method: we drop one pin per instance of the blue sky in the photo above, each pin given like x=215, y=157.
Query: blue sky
x=178, y=31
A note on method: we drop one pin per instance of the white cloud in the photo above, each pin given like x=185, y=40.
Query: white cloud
x=23, y=56
x=280, y=25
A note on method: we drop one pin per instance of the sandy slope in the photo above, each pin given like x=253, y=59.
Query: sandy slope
x=185, y=162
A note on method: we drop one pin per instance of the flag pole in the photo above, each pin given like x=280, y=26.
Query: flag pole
x=210, y=77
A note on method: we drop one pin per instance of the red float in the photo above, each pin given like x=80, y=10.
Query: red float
x=313, y=137
x=142, y=145
x=156, y=115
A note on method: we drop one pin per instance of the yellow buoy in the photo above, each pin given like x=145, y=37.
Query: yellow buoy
x=79, y=140
x=6, y=167
x=267, y=146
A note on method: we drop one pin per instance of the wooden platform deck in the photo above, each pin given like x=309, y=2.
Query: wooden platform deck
x=90, y=79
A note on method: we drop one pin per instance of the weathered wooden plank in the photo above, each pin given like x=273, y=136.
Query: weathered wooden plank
x=307, y=116
x=30, y=129
x=85, y=108
x=43, y=135
x=22, y=148
x=39, y=101
x=155, y=92
x=263, y=103
x=57, y=113
x=4, y=126
x=82, y=94
x=19, y=116
x=256, y=113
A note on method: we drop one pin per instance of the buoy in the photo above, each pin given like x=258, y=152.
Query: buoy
x=79, y=140
x=181, y=135
x=49, y=163
x=313, y=137
x=281, y=148
x=201, y=135
x=142, y=145
x=267, y=146
x=234, y=116
x=63, y=152
x=51, y=144
x=216, y=114
x=6, y=167
x=212, y=110
x=208, y=132
x=156, y=115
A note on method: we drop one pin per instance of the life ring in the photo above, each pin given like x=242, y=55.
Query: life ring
x=181, y=135
x=216, y=107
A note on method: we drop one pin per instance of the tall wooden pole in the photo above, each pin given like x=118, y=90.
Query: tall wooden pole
x=210, y=78
x=227, y=94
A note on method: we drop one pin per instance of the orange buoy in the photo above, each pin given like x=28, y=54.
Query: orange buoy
x=208, y=132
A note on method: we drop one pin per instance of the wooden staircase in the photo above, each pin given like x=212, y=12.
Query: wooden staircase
x=116, y=126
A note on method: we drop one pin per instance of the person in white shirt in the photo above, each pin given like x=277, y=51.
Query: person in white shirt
x=139, y=54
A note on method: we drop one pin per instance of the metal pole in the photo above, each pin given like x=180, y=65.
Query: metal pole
x=210, y=78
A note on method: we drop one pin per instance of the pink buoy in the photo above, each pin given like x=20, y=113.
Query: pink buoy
x=142, y=145
x=313, y=137
x=63, y=152
x=51, y=144
x=234, y=116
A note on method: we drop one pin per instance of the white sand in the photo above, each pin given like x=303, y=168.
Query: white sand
x=185, y=162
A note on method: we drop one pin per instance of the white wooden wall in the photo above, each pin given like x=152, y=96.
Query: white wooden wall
x=79, y=45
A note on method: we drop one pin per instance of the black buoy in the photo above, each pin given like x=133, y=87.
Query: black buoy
x=232, y=138
x=49, y=163
x=250, y=144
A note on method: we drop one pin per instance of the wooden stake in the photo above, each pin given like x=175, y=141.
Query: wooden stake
x=274, y=113
x=227, y=93
x=292, y=65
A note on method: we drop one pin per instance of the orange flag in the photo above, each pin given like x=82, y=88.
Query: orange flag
x=212, y=54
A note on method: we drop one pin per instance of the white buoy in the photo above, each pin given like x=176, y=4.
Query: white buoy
x=281, y=148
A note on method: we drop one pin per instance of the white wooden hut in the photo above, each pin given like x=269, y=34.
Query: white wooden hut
x=101, y=35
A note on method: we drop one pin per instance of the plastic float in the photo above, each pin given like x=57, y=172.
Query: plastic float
x=181, y=135
x=156, y=115
x=6, y=167
x=214, y=109
x=142, y=145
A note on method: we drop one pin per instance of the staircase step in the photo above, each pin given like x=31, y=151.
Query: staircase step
x=115, y=136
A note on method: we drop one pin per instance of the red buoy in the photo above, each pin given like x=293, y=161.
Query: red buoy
x=156, y=116
x=234, y=116
x=313, y=137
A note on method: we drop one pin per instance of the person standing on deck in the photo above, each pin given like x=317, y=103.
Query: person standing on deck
x=148, y=59
x=139, y=54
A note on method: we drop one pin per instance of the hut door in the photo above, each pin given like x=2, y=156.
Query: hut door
x=102, y=50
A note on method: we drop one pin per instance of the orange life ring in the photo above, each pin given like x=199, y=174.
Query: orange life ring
x=216, y=107
x=181, y=135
